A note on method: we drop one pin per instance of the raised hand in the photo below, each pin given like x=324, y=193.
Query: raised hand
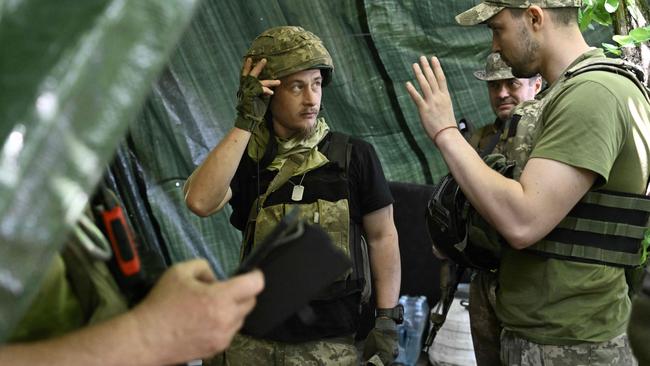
x=253, y=95
x=434, y=104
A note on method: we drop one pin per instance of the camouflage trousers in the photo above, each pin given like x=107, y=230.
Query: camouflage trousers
x=516, y=351
x=245, y=351
x=485, y=326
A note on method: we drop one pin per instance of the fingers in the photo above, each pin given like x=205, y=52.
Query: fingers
x=417, y=98
x=251, y=70
x=198, y=269
x=258, y=67
x=439, y=74
x=267, y=86
x=422, y=81
x=247, y=66
x=245, y=287
x=429, y=75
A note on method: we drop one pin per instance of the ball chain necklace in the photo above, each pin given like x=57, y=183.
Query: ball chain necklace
x=298, y=189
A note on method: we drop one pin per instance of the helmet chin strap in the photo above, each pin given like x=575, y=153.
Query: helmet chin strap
x=272, y=146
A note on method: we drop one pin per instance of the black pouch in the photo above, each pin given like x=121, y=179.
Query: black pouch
x=298, y=261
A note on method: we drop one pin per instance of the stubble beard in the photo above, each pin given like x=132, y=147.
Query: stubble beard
x=305, y=132
x=522, y=67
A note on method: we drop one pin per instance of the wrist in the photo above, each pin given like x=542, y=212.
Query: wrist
x=396, y=314
x=246, y=124
x=441, y=132
x=383, y=323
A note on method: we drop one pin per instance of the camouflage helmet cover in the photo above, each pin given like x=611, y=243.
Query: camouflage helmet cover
x=495, y=69
x=489, y=8
x=290, y=49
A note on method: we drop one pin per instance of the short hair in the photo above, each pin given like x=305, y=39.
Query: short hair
x=564, y=16
x=561, y=16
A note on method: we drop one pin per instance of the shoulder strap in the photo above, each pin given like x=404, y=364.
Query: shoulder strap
x=338, y=149
x=616, y=66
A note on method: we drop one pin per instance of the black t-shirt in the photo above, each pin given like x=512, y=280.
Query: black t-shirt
x=367, y=191
x=368, y=187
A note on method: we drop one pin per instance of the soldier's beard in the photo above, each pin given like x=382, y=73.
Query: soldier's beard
x=304, y=133
x=522, y=65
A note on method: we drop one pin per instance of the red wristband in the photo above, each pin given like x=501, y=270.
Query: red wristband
x=440, y=130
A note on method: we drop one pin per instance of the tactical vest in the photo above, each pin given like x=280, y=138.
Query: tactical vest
x=325, y=202
x=604, y=227
x=78, y=289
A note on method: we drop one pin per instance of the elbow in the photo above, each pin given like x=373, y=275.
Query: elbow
x=520, y=237
x=197, y=206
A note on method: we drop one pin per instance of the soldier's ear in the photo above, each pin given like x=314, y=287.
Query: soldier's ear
x=536, y=17
x=538, y=84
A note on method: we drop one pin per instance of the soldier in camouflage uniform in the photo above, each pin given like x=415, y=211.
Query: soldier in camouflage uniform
x=505, y=92
x=585, y=134
x=281, y=155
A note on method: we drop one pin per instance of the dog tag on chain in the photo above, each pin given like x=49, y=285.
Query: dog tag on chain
x=296, y=194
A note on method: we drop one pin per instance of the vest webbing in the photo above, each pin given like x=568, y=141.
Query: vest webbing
x=338, y=150
x=604, y=227
x=616, y=66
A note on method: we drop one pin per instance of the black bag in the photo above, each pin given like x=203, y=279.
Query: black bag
x=298, y=261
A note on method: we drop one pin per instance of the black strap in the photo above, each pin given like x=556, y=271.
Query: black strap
x=493, y=143
x=450, y=276
x=630, y=71
x=338, y=150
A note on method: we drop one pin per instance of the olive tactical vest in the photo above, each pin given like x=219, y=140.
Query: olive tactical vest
x=604, y=227
x=325, y=203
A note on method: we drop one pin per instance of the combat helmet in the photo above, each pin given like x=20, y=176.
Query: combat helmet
x=289, y=49
x=457, y=230
x=495, y=69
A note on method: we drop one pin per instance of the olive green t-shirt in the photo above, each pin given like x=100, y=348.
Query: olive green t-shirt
x=597, y=121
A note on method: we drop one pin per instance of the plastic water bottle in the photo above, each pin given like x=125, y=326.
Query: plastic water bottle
x=416, y=319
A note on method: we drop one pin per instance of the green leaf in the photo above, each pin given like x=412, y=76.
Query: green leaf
x=611, y=49
x=611, y=6
x=584, y=18
x=640, y=35
x=601, y=16
x=624, y=40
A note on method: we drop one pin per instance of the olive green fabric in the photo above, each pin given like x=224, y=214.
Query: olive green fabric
x=592, y=126
x=55, y=311
x=333, y=217
x=307, y=147
x=252, y=104
x=92, y=282
x=77, y=289
x=382, y=341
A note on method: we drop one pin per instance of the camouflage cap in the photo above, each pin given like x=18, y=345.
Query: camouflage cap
x=495, y=69
x=489, y=8
x=289, y=49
